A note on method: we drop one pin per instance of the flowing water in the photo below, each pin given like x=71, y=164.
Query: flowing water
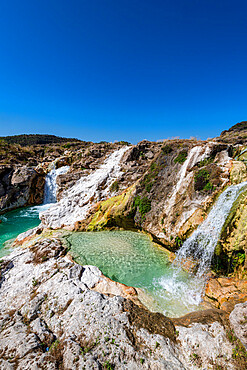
x=201, y=245
x=75, y=205
x=20, y=220
x=131, y=258
x=125, y=256
x=16, y=222
x=200, y=248
x=50, y=191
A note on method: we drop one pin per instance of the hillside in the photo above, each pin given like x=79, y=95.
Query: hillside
x=236, y=134
x=33, y=139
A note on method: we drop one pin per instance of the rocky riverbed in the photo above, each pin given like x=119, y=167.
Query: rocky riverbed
x=58, y=314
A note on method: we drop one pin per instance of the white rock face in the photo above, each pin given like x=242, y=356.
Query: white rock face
x=51, y=318
x=76, y=203
x=238, y=321
x=205, y=345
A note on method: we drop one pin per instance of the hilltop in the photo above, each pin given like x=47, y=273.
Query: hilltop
x=32, y=139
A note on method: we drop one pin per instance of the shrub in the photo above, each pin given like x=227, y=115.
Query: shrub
x=201, y=179
x=166, y=149
x=181, y=158
x=143, y=205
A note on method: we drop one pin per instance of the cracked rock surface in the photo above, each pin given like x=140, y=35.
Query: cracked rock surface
x=53, y=317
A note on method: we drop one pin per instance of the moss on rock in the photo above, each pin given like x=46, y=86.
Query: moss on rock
x=113, y=212
x=230, y=253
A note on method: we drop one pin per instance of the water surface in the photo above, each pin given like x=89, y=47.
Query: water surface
x=16, y=222
x=131, y=258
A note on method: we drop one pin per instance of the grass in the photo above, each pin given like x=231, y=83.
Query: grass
x=181, y=158
x=143, y=205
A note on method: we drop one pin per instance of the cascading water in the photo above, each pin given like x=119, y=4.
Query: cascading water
x=50, y=192
x=201, y=245
x=20, y=220
x=200, y=248
x=184, y=177
x=92, y=188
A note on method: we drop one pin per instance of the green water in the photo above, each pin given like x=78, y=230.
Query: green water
x=124, y=256
x=131, y=258
x=16, y=222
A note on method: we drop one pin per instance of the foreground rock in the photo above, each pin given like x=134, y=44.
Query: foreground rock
x=225, y=293
x=53, y=317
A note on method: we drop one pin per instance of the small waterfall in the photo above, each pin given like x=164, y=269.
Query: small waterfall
x=195, y=155
x=50, y=192
x=88, y=190
x=201, y=245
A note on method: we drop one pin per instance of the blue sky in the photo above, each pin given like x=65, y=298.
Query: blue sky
x=122, y=70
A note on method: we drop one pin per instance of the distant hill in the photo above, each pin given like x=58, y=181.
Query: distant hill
x=237, y=134
x=33, y=139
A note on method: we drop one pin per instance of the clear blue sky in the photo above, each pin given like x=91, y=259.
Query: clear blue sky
x=122, y=69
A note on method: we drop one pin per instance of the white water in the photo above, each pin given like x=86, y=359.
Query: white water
x=50, y=192
x=88, y=190
x=200, y=248
x=195, y=155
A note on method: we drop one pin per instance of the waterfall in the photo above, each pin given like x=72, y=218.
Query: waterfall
x=50, y=192
x=201, y=245
x=195, y=155
x=87, y=190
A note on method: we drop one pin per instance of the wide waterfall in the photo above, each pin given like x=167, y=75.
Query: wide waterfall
x=50, y=191
x=78, y=199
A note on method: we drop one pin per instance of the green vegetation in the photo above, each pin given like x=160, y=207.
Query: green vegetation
x=205, y=162
x=178, y=242
x=238, y=259
x=143, y=205
x=202, y=182
x=108, y=366
x=34, y=282
x=122, y=142
x=167, y=149
x=149, y=178
x=114, y=187
x=32, y=139
x=239, y=352
x=54, y=345
x=181, y=158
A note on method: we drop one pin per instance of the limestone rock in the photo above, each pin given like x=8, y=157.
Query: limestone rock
x=52, y=317
x=225, y=293
x=238, y=172
x=238, y=321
